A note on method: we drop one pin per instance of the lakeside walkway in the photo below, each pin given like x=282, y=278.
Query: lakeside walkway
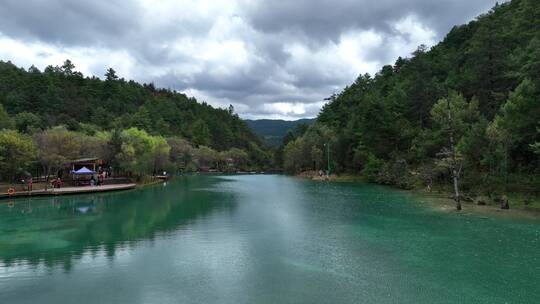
x=70, y=190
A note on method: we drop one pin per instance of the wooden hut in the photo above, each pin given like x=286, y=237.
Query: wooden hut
x=92, y=163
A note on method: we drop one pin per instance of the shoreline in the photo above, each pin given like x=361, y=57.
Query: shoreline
x=439, y=200
x=80, y=190
x=69, y=191
x=442, y=203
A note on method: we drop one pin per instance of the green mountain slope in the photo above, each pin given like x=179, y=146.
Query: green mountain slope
x=62, y=96
x=274, y=130
x=393, y=127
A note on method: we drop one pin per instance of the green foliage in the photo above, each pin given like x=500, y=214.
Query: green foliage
x=110, y=75
x=520, y=115
x=96, y=145
x=456, y=112
x=142, y=153
x=141, y=119
x=310, y=151
x=27, y=122
x=536, y=146
x=274, y=132
x=6, y=122
x=33, y=101
x=393, y=126
x=16, y=153
x=294, y=160
x=181, y=152
x=372, y=168
x=200, y=133
x=186, y=157
x=235, y=159
x=514, y=130
x=206, y=157
x=56, y=147
x=160, y=154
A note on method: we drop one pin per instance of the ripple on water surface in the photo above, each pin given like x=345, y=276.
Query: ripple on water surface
x=261, y=239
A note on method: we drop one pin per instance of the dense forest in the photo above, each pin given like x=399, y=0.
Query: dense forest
x=273, y=131
x=469, y=108
x=56, y=115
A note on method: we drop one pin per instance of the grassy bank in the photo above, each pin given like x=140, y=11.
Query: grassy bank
x=441, y=196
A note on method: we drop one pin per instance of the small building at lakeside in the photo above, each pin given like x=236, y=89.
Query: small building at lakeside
x=80, y=171
x=92, y=163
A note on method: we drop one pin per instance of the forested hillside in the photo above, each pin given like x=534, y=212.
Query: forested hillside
x=64, y=105
x=470, y=103
x=273, y=131
x=60, y=95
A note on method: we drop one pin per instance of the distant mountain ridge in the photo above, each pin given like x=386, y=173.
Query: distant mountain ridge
x=273, y=130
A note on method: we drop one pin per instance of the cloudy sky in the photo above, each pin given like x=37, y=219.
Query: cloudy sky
x=270, y=59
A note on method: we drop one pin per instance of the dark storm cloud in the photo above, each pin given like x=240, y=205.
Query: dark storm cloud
x=68, y=22
x=167, y=49
x=116, y=24
x=327, y=19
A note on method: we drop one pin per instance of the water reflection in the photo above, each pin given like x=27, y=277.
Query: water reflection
x=58, y=230
x=260, y=239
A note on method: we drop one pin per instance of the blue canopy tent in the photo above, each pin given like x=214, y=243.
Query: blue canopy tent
x=82, y=176
x=83, y=171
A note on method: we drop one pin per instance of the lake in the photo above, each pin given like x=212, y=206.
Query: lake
x=261, y=239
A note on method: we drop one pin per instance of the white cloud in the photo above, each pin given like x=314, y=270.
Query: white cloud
x=279, y=60
x=90, y=61
x=354, y=48
x=412, y=33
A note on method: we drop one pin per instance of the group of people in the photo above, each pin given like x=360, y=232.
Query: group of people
x=322, y=173
x=95, y=180
x=29, y=182
x=57, y=182
x=100, y=179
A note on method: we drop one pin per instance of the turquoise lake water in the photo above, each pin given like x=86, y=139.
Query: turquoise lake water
x=261, y=239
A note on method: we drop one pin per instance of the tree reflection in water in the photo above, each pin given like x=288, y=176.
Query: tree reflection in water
x=58, y=230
